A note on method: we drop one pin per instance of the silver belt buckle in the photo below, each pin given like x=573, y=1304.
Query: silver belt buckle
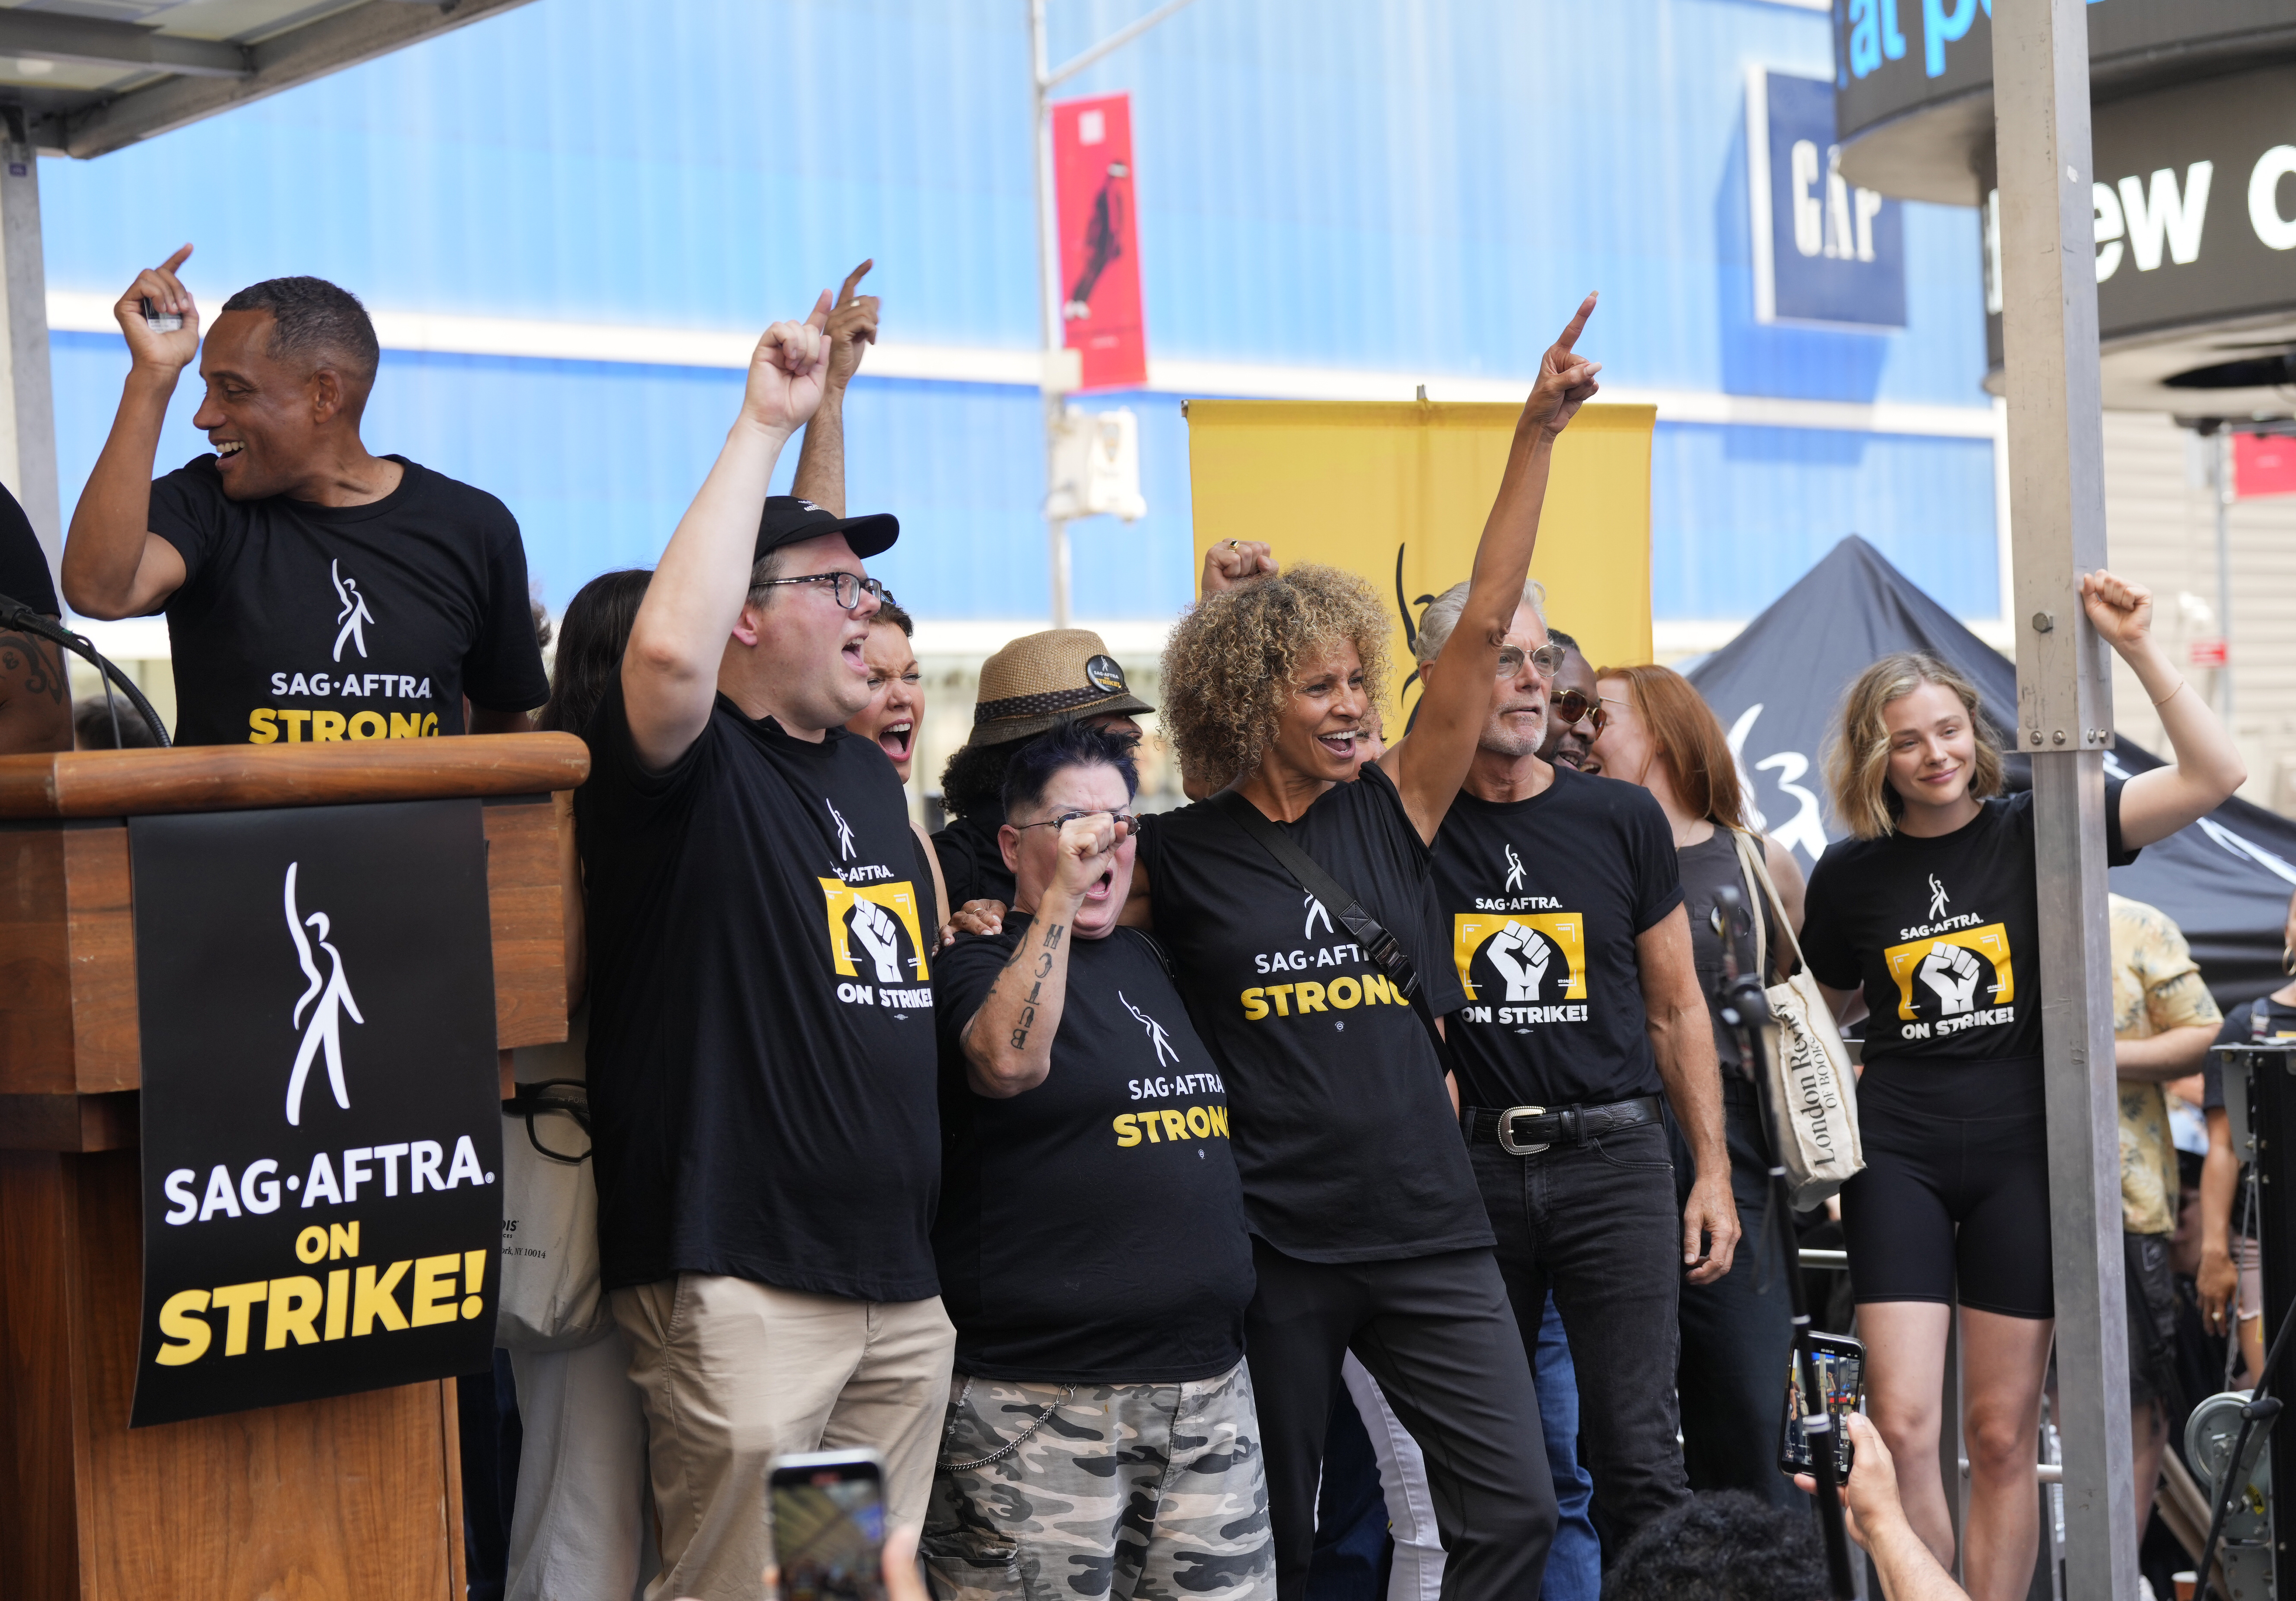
x=1506, y=1131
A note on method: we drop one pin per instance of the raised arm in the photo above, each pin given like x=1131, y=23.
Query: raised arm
x=1008, y=1045
x=669, y=671
x=114, y=565
x=852, y=325
x=1429, y=766
x=2208, y=767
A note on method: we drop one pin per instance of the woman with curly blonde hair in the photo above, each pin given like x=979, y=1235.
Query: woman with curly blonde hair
x=1368, y=1232
x=1927, y=921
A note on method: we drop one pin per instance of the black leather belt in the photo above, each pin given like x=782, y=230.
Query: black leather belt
x=1526, y=1130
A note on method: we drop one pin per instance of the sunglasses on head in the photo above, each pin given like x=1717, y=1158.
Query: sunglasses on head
x=1572, y=707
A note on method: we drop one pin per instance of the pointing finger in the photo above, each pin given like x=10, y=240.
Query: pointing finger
x=845, y=294
x=176, y=260
x=1577, y=323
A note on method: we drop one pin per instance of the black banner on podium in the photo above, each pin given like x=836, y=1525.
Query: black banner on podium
x=321, y=1123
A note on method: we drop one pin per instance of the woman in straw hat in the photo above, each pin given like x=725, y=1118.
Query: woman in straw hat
x=1368, y=1232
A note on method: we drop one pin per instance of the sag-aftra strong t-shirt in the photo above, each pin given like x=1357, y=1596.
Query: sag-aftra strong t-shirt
x=761, y=1012
x=1344, y=1133
x=1091, y=1229
x=299, y=624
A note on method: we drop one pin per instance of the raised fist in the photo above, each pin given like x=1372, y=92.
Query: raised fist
x=874, y=927
x=1952, y=970
x=1521, y=954
x=2121, y=612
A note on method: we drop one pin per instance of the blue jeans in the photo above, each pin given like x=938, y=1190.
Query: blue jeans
x=1574, y=1563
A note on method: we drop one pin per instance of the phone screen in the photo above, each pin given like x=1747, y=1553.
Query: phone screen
x=829, y=1531
x=1842, y=1371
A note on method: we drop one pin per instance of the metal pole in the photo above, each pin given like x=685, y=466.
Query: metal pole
x=2224, y=568
x=2056, y=472
x=1048, y=290
x=27, y=410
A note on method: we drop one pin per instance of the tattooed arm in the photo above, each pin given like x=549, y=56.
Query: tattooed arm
x=36, y=712
x=1008, y=1045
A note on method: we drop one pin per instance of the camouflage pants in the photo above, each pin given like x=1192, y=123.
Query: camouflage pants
x=1130, y=1492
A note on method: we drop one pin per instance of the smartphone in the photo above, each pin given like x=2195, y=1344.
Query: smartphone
x=828, y=1511
x=1841, y=1372
x=156, y=321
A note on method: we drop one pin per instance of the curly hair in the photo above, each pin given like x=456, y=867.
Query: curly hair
x=1722, y=1546
x=1237, y=654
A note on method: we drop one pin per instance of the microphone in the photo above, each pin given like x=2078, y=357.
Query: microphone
x=15, y=614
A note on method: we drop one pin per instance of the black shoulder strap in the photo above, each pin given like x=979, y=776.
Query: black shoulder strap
x=1385, y=950
x=1156, y=949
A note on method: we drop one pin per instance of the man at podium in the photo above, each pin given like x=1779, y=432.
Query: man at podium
x=314, y=591
x=762, y=1069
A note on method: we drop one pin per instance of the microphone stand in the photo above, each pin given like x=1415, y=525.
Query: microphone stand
x=15, y=614
x=1747, y=1009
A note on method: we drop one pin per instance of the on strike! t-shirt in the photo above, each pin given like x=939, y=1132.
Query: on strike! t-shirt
x=1942, y=933
x=1343, y=1131
x=1544, y=899
x=1091, y=1229
x=300, y=623
x=24, y=573
x=761, y=1035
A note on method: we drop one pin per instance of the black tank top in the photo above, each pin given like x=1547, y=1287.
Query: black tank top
x=1706, y=867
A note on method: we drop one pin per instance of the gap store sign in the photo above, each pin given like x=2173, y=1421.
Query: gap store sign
x=1824, y=251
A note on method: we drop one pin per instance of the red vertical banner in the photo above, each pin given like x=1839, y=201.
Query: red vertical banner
x=2262, y=464
x=1100, y=241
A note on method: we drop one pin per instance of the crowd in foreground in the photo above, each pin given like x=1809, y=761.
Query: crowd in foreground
x=1078, y=1162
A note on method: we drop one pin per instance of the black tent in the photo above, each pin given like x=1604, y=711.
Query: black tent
x=2226, y=880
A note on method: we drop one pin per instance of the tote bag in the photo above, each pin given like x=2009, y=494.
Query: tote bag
x=1813, y=1092
x=550, y=1294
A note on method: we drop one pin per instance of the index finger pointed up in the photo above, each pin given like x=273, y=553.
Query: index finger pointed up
x=176, y=260
x=845, y=294
x=1569, y=336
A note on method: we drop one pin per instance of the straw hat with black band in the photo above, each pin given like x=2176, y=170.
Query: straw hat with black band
x=1039, y=679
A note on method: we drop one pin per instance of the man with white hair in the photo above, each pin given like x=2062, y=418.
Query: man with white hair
x=1568, y=931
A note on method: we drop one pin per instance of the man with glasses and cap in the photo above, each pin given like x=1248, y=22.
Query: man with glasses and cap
x=1036, y=681
x=762, y=1059
x=1584, y=1015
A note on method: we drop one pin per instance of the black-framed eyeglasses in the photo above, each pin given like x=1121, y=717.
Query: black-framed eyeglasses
x=851, y=587
x=557, y=1112
x=1547, y=659
x=1572, y=707
x=1125, y=821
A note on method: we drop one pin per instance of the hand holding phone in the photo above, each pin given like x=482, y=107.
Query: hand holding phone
x=828, y=1512
x=1842, y=1375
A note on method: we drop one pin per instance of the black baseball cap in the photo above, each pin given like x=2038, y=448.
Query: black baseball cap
x=788, y=520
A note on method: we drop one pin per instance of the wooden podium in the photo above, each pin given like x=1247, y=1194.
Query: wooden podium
x=355, y=1497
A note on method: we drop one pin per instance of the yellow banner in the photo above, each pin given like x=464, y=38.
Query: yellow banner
x=1399, y=492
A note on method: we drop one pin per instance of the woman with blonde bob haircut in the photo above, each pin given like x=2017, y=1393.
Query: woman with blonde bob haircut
x=1368, y=1231
x=1656, y=730
x=1927, y=921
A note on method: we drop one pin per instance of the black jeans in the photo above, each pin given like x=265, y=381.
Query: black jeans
x=1738, y=1331
x=1598, y=1224
x=1436, y=1333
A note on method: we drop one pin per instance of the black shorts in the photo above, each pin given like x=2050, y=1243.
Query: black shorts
x=2151, y=1282
x=1955, y=1190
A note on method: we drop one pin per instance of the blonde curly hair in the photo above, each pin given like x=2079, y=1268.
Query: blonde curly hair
x=1236, y=655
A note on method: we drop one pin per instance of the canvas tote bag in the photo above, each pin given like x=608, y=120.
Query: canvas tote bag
x=551, y=1293
x=1813, y=1091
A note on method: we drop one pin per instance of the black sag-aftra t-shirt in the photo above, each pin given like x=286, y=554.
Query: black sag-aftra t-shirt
x=761, y=1038
x=1544, y=899
x=1343, y=1133
x=24, y=573
x=1943, y=934
x=300, y=623
x=1091, y=1229
x=972, y=862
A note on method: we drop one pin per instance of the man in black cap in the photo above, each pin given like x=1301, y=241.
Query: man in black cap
x=761, y=1066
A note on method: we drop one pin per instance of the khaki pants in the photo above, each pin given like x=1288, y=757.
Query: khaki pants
x=735, y=1373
